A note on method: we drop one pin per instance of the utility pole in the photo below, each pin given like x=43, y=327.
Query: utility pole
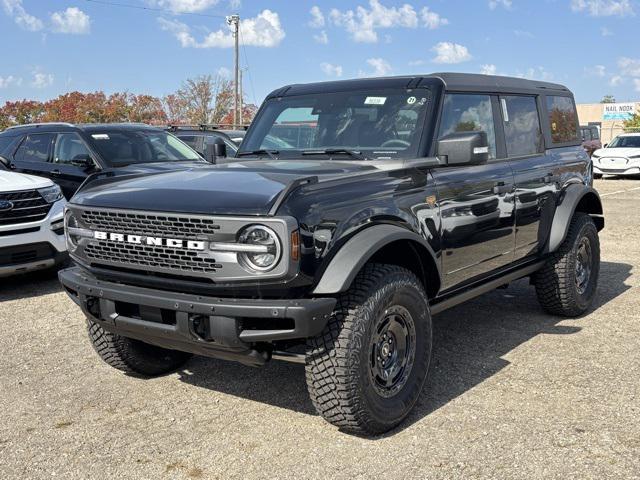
x=234, y=20
x=240, y=101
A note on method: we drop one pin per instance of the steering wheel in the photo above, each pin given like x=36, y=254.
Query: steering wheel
x=396, y=142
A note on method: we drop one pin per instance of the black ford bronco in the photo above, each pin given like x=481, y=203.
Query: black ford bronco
x=397, y=199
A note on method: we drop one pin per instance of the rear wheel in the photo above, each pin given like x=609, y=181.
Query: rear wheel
x=133, y=356
x=367, y=368
x=567, y=283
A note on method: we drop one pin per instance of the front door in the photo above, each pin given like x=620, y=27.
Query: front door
x=32, y=156
x=476, y=202
x=68, y=154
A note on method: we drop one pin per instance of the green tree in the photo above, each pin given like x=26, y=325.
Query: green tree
x=633, y=124
x=608, y=99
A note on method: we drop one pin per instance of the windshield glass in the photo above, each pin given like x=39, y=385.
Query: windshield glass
x=125, y=147
x=625, y=142
x=382, y=124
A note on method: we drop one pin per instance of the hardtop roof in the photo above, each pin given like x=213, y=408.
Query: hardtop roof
x=465, y=82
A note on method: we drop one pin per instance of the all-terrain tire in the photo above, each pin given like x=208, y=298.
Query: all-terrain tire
x=133, y=356
x=557, y=283
x=341, y=361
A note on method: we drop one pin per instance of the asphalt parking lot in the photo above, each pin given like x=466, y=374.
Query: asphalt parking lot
x=512, y=393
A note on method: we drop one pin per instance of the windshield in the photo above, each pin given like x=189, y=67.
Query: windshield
x=125, y=147
x=381, y=124
x=625, y=142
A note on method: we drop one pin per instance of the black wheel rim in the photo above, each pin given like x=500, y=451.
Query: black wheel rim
x=584, y=264
x=393, y=349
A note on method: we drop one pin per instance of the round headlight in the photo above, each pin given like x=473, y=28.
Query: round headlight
x=267, y=250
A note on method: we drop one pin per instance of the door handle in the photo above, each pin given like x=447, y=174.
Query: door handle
x=501, y=188
x=550, y=178
x=55, y=172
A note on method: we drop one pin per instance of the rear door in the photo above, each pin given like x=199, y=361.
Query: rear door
x=536, y=173
x=476, y=202
x=68, y=152
x=32, y=156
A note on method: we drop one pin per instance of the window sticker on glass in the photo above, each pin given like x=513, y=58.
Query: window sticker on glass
x=411, y=100
x=100, y=136
x=375, y=100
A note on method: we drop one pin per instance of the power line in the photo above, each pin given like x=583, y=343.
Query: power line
x=151, y=9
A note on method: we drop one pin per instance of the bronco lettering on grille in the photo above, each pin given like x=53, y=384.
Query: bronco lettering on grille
x=151, y=241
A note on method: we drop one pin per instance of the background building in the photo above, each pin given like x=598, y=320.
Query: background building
x=609, y=117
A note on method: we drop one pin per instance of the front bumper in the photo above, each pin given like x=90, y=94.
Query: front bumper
x=234, y=329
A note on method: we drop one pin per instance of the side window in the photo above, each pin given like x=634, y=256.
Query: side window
x=586, y=134
x=595, y=134
x=563, y=119
x=191, y=140
x=468, y=113
x=522, y=132
x=5, y=143
x=35, y=148
x=69, y=148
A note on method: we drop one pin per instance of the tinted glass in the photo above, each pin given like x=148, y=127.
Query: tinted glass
x=521, y=125
x=595, y=134
x=586, y=134
x=469, y=113
x=563, y=119
x=35, y=148
x=69, y=147
x=631, y=141
x=381, y=123
x=5, y=142
x=126, y=147
x=191, y=140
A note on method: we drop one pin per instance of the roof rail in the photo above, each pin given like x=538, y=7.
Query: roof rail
x=204, y=127
x=42, y=124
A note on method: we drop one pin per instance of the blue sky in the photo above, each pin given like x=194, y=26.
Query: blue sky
x=55, y=46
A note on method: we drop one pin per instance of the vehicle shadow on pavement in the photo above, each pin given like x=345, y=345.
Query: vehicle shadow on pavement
x=29, y=285
x=469, y=342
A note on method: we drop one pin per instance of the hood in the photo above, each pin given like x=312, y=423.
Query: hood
x=162, y=166
x=243, y=188
x=617, y=152
x=13, y=182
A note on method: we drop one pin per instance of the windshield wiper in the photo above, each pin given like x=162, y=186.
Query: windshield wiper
x=332, y=151
x=271, y=153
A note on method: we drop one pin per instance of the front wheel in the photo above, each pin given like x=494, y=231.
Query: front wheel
x=367, y=368
x=566, y=285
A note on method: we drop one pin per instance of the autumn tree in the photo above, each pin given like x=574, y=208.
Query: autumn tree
x=20, y=112
x=146, y=109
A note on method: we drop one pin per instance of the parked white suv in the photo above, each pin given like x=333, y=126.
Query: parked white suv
x=31, y=224
x=620, y=157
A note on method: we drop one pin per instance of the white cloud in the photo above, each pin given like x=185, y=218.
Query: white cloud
x=629, y=66
x=488, y=69
x=72, y=20
x=263, y=30
x=186, y=6
x=224, y=72
x=603, y=8
x=322, y=37
x=493, y=4
x=363, y=23
x=616, y=81
x=535, y=73
x=14, y=9
x=448, y=52
x=599, y=70
x=317, y=17
x=6, y=82
x=432, y=20
x=380, y=66
x=605, y=32
x=41, y=80
x=331, y=70
x=235, y=4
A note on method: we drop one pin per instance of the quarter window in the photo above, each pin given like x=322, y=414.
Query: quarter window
x=35, y=148
x=522, y=132
x=69, y=148
x=469, y=113
x=563, y=119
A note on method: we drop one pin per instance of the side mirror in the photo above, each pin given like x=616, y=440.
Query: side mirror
x=605, y=145
x=5, y=162
x=464, y=148
x=83, y=161
x=215, y=150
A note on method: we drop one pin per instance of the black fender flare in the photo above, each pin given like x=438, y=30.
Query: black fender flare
x=577, y=195
x=356, y=252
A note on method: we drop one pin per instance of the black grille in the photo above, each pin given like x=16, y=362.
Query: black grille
x=150, y=256
x=26, y=253
x=28, y=206
x=187, y=228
